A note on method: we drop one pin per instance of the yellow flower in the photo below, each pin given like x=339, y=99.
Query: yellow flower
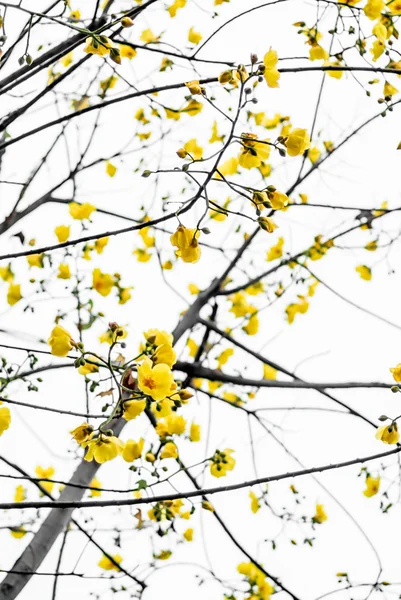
x=67, y=59
x=372, y=486
x=396, y=371
x=297, y=142
x=277, y=200
x=82, y=433
x=172, y=10
x=229, y=167
x=318, y=53
x=194, y=36
x=395, y=7
x=6, y=273
x=100, y=244
x=164, y=354
x=158, y=337
x=35, y=260
x=240, y=306
x=64, y=272
x=222, y=461
x=320, y=515
x=81, y=211
x=149, y=37
x=17, y=532
x=147, y=239
x=377, y=49
x=233, y=398
x=75, y=15
x=314, y=155
x=175, y=424
x=98, y=45
x=172, y=114
x=371, y=246
x=193, y=149
x=124, y=294
x=95, y=483
x=269, y=372
x=60, y=341
x=14, y=293
x=296, y=308
x=215, y=137
x=5, y=419
x=222, y=359
x=193, y=289
x=20, y=493
x=133, y=408
x=207, y=505
x=163, y=408
x=169, y=451
x=163, y=555
x=133, y=450
x=194, y=87
x=189, y=534
x=127, y=51
x=319, y=248
x=102, y=282
x=108, y=565
x=364, y=272
x=254, y=502
x=111, y=169
x=45, y=474
x=193, y=347
x=389, y=90
x=186, y=242
x=110, y=336
x=373, y=9
x=105, y=85
x=388, y=434
x=255, y=289
x=271, y=73
x=253, y=152
x=276, y=251
x=195, y=432
x=193, y=108
x=267, y=224
x=252, y=327
x=156, y=381
x=103, y=448
x=142, y=255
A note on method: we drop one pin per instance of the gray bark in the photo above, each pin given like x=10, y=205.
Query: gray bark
x=56, y=522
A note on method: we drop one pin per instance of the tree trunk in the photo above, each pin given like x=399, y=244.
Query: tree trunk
x=56, y=522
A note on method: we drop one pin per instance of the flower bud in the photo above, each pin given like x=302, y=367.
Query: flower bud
x=181, y=152
x=127, y=22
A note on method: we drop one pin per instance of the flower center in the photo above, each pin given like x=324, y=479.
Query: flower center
x=149, y=383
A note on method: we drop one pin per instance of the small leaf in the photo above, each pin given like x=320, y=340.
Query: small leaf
x=108, y=393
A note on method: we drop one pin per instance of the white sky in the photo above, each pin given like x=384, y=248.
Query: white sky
x=331, y=342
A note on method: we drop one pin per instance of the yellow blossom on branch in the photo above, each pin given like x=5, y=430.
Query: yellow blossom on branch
x=320, y=515
x=5, y=418
x=60, y=341
x=271, y=73
x=221, y=462
x=133, y=450
x=388, y=434
x=372, y=486
x=81, y=211
x=157, y=381
x=102, y=282
x=103, y=448
x=110, y=565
